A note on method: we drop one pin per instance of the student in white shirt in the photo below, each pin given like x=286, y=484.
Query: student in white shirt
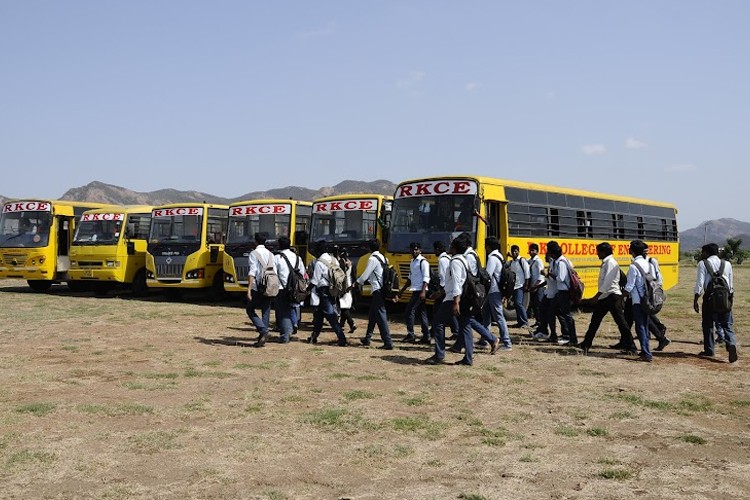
x=286, y=262
x=608, y=300
x=417, y=283
x=561, y=303
x=711, y=263
x=326, y=307
x=523, y=276
x=537, y=282
x=493, y=307
x=259, y=258
x=636, y=287
x=377, y=315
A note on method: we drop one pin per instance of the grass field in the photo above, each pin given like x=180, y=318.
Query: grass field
x=116, y=398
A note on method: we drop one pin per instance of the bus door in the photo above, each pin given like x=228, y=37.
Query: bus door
x=64, y=240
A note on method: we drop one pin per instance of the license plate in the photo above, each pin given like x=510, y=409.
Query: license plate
x=88, y=273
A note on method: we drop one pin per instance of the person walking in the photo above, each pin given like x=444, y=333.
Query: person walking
x=523, y=277
x=346, y=301
x=493, y=307
x=286, y=263
x=260, y=259
x=561, y=305
x=636, y=288
x=417, y=282
x=537, y=283
x=377, y=314
x=710, y=265
x=608, y=299
x=326, y=308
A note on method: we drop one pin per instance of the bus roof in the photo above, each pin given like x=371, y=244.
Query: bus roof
x=63, y=203
x=187, y=204
x=349, y=196
x=483, y=180
x=271, y=201
x=126, y=209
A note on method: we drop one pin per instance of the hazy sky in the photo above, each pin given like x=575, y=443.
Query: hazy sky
x=639, y=98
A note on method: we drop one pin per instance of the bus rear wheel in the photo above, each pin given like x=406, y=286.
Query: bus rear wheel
x=140, y=289
x=39, y=285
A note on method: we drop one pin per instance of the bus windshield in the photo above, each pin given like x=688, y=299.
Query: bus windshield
x=427, y=219
x=242, y=229
x=98, y=232
x=25, y=229
x=344, y=225
x=176, y=229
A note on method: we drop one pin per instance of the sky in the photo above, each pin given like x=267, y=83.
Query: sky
x=639, y=98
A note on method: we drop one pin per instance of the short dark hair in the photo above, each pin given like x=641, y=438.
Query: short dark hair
x=319, y=248
x=414, y=245
x=711, y=249
x=604, y=247
x=637, y=247
x=373, y=245
x=534, y=246
x=438, y=246
x=491, y=243
x=515, y=247
x=553, y=248
x=261, y=237
x=284, y=242
x=460, y=243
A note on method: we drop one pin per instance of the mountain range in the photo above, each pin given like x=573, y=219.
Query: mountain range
x=717, y=230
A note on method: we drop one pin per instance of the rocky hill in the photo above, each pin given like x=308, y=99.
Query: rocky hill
x=107, y=193
x=715, y=231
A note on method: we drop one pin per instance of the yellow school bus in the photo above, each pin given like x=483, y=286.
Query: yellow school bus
x=35, y=240
x=186, y=247
x=350, y=221
x=522, y=213
x=276, y=218
x=109, y=249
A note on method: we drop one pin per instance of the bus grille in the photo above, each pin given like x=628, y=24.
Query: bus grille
x=90, y=264
x=16, y=259
x=241, y=273
x=403, y=271
x=169, y=270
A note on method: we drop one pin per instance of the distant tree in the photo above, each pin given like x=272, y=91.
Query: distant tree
x=731, y=249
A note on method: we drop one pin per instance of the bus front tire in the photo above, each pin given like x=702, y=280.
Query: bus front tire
x=39, y=285
x=140, y=289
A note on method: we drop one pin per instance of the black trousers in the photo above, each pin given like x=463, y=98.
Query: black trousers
x=614, y=305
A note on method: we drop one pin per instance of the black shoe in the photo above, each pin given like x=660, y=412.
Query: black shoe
x=434, y=360
x=365, y=342
x=494, y=346
x=630, y=352
x=618, y=345
x=352, y=328
x=582, y=347
x=664, y=342
x=647, y=359
x=482, y=344
x=294, y=331
x=425, y=340
x=342, y=343
x=732, y=353
x=261, y=340
x=462, y=362
x=312, y=339
x=411, y=339
x=388, y=347
x=704, y=354
x=452, y=337
x=455, y=348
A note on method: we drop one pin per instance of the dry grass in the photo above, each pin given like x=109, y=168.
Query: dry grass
x=116, y=398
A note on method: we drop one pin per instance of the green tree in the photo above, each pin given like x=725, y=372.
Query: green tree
x=731, y=249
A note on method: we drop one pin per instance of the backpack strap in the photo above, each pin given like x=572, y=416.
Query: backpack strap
x=720, y=272
x=383, y=263
x=258, y=256
x=289, y=266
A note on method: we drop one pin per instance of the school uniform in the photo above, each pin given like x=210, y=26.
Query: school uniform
x=419, y=275
x=708, y=316
x=443, y=266
x=259, y=258
x=487, y=337
x=561, y=303
x=377, y=314
x=492, y=310
x=636, y=287
x=285, y=314
x=326, y=307
x=537, y=282
x=521, y=268
x=455, y=278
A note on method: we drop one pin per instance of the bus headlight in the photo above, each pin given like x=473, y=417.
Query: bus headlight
x=113, y=263
x=228, y=278
x=149, y=275
x=73, y=263
x=195, y=274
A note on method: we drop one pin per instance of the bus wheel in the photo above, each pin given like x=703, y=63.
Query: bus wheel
x=217, y=293
x=40, y=285
x=140, y=289
x=79, y=286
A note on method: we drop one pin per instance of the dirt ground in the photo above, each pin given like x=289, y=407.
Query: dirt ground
x=118, y=398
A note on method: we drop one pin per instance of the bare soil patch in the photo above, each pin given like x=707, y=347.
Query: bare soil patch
x=118, y=398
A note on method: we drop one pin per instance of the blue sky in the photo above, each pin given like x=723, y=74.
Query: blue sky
x=637, y=98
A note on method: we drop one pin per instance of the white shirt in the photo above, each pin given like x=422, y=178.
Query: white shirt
x=283, y=269
x=256, y=268
x=521, y=268
x=560, y=270
x=494, y=269
x=472, y=260
x=551, y=289
x=320, y=271
x=703, y=278
x=609, y=278
x=419, y=273
x=636, y=286
x=444, y=262
x=535, y=271
x=655, y=271
x=374, y=271
x=454, y=281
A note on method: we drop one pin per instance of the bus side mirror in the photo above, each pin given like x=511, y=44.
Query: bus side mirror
x=214, y=253
x=131, y=247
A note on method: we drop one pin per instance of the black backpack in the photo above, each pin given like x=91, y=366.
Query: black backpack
x=390, y=285
x=296, y=283
x=719, y=297
x=473, y=294
x=433, y=288
x=507, y=282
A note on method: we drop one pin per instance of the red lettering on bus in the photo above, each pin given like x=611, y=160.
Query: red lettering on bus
x=404, y=191
x=439, y=187
x=461, y=187
x=422, y=190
